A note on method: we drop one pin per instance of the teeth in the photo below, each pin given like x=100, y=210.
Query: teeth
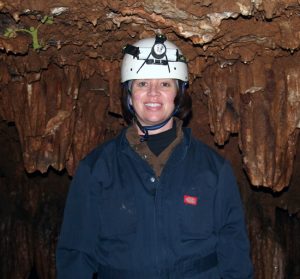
x=153, y=105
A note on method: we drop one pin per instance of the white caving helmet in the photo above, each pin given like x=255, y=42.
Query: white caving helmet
x=153, y=58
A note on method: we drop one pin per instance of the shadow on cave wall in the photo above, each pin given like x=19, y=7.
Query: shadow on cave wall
x=31, y=208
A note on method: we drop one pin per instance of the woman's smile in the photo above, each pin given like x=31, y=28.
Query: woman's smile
x=153, y=105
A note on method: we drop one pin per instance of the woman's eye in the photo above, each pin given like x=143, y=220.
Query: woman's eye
x=165, y=84
x=142, y=84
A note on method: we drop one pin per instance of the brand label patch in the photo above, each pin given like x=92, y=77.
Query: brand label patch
x=190, y=200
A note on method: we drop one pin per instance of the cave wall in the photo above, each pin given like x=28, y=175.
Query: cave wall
x=242, y=55
x=60, y=97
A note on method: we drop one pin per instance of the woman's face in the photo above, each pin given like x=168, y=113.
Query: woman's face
x=153, y=100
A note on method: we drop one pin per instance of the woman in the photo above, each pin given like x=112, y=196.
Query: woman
x=154, y=203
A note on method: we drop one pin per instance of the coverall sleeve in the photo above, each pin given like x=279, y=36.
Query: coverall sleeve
x=233, y=246
x=75, y=254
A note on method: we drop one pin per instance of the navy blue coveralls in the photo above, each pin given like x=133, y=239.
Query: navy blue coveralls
x=122, y=222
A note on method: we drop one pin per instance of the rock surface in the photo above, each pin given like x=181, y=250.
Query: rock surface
x=242, y=55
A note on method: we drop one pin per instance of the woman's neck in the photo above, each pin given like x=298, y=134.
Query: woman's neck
x=166, y=127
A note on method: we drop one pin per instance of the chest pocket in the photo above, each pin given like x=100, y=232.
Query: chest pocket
x=118, y=214
x=197, y=207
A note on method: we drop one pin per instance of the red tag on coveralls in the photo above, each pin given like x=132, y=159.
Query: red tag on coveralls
x=190, y=200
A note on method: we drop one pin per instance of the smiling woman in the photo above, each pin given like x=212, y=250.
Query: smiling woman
x=157, y=66
x=154, y=202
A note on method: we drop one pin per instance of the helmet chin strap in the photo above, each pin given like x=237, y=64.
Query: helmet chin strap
x=145, y=129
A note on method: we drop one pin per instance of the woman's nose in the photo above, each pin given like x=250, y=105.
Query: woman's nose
x=153, y=89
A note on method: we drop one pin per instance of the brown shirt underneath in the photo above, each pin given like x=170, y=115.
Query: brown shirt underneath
x=156, y=162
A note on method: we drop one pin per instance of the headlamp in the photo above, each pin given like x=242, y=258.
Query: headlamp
x=159, y=49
